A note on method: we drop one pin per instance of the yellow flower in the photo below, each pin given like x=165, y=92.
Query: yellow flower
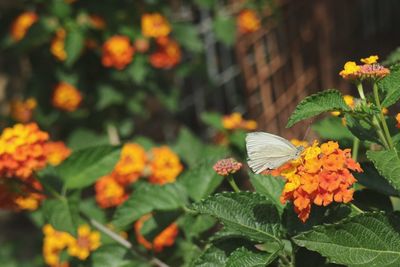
x=29, y=202
x=57, y=47
x=66, y=97
x=350, y=69
x=349, y=100
x=370, y=60
x=165, y=165
x=86, y=242
x=54, y=243
x=56, y=152
x=235, y=121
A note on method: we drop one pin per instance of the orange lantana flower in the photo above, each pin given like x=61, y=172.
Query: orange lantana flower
x=22, y=111
x=320, y=176
x=109, y=193
x=66, y=97
x=22, y=151
x=57, y=46
x=155, y=25
x=131, y=164
x=56, y=152
x=248, y=21
x=168, y=54
x=21, y=25
x=165, y=165
x=235, y=121
x=117, y=52
x=164, y=239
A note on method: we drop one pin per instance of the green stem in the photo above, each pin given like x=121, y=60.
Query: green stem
x=361, y=91
x=356, y=145
x=382, y=116
x=233, y=184
x=355, y=208
x=379, y=131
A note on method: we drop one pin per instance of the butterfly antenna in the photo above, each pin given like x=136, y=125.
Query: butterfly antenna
x=307, y=130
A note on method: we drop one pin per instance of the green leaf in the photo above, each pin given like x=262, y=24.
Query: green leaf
x=269, y=186
x=249, y=214
x=387, y=162
x=74, y=42
x=85, y=166
x=217, y=253
x=83, y=138
x=201, y=180
x=188, y=36
x=391, y=86
x=332, y=128
x=108, y=96
x=114, y=256
x=192, y=150
x=361, y=128
x=61, y=214
x=148, y=198
x=244, y=257
x=368, y=239
x=139, y=69
x=371, y=179
x=193, y=226
x=225, y=29
x=313, y=105
x=212, y=119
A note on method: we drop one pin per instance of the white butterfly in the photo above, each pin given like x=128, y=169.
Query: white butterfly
x=269, y=151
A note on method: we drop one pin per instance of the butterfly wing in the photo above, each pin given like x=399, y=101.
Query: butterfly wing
x=268, y=151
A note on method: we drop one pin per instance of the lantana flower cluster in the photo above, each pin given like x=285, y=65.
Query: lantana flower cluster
x=24, y=150
x=160, y=165
x=235, y=121
x=371, y=69
x=55, y=242
x=22, y=111
x=248, y=21
x=320, y=176
x=66, y=97
x=165, y=238
x=21, y=25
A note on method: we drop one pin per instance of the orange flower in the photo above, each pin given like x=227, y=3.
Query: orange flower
x=155, y=25
x=235, y=121
x=56, y=152
x=97, y=22
x=21, y=25
x=22, y=151
x=164, y=239
x=117, y=52
x=109, y=193
x=248, y=21
x=57, y=47
x=131, y=164
x=21, y=111
x=20, y=196
x=165, y=165
x=168, y=54
x=66, y=97
x=320, y=176
x=398, y=120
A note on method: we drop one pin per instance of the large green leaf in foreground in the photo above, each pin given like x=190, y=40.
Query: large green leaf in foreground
x=387, y=162
x=369, y=239
x=247, y=214
x=316, y=104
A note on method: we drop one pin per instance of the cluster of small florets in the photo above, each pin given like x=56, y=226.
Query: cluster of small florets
x=371, y=69
x=224, y=167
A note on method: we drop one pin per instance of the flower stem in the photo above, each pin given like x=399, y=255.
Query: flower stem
x=355, y=208
x=356, y=145
x=382, y=116
x=361, y=91
x=233, y=183
x=125, y=243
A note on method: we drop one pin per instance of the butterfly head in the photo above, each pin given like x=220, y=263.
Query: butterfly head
x=300, y=149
